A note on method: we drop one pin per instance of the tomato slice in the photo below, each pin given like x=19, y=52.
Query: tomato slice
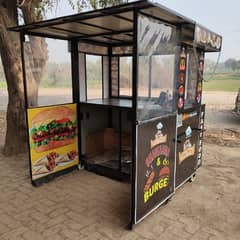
x=63, y=120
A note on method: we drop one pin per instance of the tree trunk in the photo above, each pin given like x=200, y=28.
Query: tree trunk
x=15, y=141
x=36, y=57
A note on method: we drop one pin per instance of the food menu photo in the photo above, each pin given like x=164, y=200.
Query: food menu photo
x=53, y=139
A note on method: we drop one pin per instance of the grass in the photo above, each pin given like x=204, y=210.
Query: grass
x=229, y=82
x=223, y=85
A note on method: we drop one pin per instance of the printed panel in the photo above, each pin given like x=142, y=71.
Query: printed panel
x=198, y=97
x=181, y=79
x=207, y=39
x=201, y=128
x=155, y=164
x=53, y=139
x=187, y=146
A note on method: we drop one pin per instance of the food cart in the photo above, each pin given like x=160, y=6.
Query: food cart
x=146, y=127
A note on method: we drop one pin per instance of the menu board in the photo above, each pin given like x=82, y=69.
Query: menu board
x=53, y=139
x=155, y=164
x=187, y=146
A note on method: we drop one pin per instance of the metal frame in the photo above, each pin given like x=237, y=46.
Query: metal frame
x=109, y=34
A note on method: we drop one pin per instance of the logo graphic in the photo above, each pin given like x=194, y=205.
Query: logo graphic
x=188, y=148
x=157, y=165
x=159, y=137
x=188, y=132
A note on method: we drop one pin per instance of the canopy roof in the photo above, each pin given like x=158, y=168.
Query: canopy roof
x=112, y=25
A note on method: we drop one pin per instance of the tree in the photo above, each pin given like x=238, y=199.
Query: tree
x=232, y=64
x=15, y=141
x=36, y=56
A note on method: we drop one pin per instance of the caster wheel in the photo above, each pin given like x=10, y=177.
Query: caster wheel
x=192, y=178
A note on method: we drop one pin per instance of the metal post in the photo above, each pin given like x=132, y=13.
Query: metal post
x=22, y=40
x=134, y=121
x=120, y=141
x=76, y=92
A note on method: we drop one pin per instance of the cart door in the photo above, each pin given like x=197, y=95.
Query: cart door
x=155, y=164
x=188, y=140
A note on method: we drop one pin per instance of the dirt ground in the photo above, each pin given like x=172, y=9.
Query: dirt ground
x=82, y=205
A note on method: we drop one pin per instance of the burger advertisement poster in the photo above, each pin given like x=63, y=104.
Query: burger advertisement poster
x=53, y=139
x=155, y=163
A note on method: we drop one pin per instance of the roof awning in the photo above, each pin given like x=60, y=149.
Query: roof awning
x=112, y=25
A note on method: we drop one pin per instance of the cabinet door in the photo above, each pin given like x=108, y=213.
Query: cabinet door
x=187, y=146
x=155, y=164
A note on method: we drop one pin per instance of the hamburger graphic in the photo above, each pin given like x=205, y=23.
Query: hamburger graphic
x=53, y=128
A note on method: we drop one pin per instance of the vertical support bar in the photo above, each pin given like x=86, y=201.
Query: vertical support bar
x=120, y=140
x=22, y=40
x=75, y=71
x=110, y=71
x=102, y=77
x=134, y=121
x=150, y=77
x=86, y=87
x=76, y=90
x=118, y=76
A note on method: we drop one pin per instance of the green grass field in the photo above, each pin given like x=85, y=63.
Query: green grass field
x=229, y=82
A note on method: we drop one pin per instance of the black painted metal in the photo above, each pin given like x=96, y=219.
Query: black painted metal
x=120, y=140
x=134, y=123
x=50, y=177
x=76, y=90
x=110, y=71
x=150, y=77
x=22, y=40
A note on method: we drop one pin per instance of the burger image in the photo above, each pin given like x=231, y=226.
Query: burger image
x=53, y=128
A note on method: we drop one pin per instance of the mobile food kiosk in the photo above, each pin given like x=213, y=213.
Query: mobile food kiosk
x=145, y=122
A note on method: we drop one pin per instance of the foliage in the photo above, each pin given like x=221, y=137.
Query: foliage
x=233, y=64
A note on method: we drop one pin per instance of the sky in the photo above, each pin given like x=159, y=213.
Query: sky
x=219, y=16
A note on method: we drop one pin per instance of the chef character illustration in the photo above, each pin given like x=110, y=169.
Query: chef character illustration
x=159, y=130
x=187, y=144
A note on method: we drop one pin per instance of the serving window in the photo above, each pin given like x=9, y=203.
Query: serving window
x=157, y=48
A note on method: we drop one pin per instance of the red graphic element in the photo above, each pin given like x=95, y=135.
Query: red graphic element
x=164, y=172
x=149, y=181
x=156, y=152
x=181, y=90
x=181, y=78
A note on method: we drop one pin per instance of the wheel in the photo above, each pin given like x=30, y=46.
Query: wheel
x=192, y=178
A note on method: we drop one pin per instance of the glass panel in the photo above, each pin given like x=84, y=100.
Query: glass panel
x=157, y=47
x=82, y=76
x=48, y=73
x=191, y=79
x=125, y=75
x=94, y=76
